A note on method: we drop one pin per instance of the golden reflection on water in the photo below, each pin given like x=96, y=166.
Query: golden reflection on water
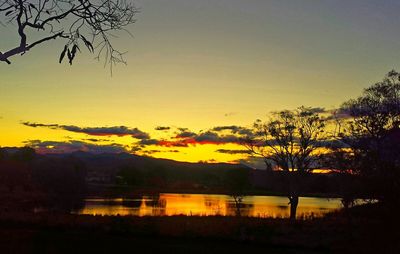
x=206, y=205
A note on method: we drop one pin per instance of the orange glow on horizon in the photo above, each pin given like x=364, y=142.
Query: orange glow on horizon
x=208, y=205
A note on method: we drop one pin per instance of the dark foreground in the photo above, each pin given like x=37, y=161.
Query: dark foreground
x=367, y=229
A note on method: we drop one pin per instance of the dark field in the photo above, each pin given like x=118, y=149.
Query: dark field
x=368, y=229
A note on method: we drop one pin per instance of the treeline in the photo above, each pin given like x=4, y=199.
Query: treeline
x=29, y=181
x=155, y=175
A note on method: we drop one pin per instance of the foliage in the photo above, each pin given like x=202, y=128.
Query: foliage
x=78, y=23
x=373, y=133
x=289, y=139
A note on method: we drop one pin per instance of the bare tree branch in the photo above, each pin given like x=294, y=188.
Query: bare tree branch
x=86, y=22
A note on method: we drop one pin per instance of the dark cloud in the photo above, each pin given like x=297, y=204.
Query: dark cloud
x=223, y=128
x=318, y=110
x=59, y=147
x=146, y=142
x=160, y=151
x=96, y=140
x=229, y=151
x=34, y=125
x=185, y=137
x=135, y=149
x=176, y=143
x=96, y=131
x=234, y=129
x=210, y=137
x=162, y=128
x=192, y=138
x=186, y=134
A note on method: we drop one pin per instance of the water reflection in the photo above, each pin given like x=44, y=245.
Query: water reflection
x=205, y=205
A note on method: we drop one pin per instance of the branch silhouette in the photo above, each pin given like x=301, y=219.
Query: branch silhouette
x=77, y=22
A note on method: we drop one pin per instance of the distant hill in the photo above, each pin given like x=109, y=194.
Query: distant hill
x=112, y=160
x=125, y=171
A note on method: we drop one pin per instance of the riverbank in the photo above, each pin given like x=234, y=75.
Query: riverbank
x=364, y=229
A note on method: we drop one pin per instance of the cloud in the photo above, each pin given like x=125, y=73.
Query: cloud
x=160, y=151
x=234, y=129
x=176, y=143
x=135, y=149
x=222, y=128
x=162, y=128
x=232, y=151
x=318, y=110
x=95, y=131
x=59, y=147
x=186, y=138
x=95, y=140
x=210, y=137
x=147, y=142
x=185, y=134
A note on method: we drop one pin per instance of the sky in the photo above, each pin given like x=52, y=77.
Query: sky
x=204, y=71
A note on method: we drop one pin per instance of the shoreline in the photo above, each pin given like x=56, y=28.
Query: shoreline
x=121, y=191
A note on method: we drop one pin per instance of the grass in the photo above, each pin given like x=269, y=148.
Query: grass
x=364, y=229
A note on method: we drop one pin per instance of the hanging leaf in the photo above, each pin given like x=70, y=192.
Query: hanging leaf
x=63, y=53
x=73, y=52
x=88, y=44
x=70, y=58
x=76, y=48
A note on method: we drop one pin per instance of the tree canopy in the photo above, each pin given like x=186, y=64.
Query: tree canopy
x=373, y=133
x=289, y=141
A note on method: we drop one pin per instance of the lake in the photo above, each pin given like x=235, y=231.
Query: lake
x=167, y=204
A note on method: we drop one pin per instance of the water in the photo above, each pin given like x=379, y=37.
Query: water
x=206, y=205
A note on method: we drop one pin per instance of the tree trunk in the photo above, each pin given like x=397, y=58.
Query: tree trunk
x=293, y=201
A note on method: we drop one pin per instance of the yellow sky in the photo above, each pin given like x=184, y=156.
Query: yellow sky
x=202, y=64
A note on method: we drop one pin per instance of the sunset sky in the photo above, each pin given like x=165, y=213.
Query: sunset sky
x=199, y=73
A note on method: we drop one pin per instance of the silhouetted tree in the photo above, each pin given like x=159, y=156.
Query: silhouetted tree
x=373, y=133
x=76, y=22
x=237, y=182
x=289, y=141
